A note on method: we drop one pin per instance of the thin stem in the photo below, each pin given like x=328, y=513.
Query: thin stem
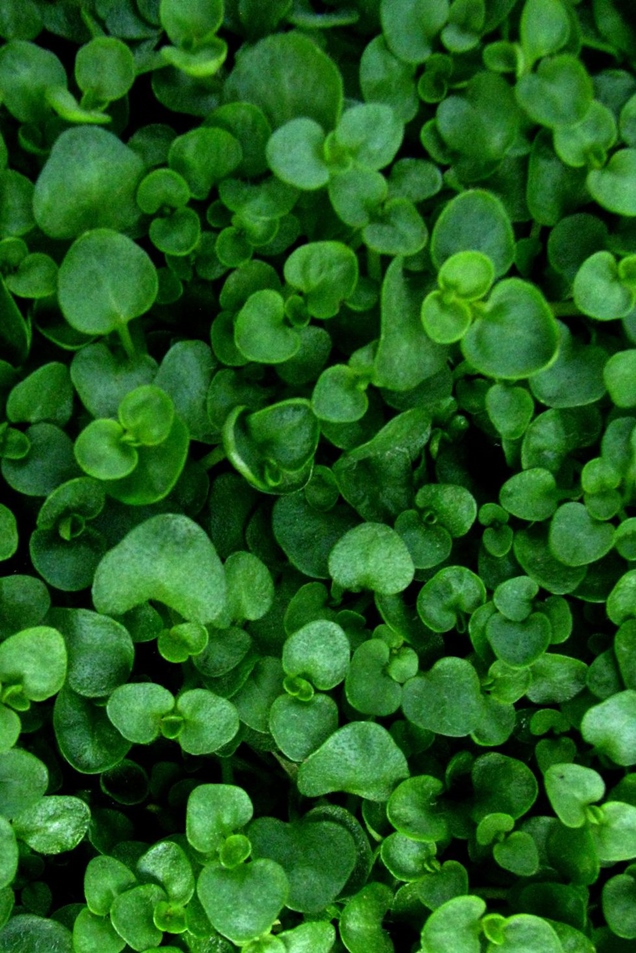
x=227, y=771
x=127, y=341
x=565, y=309
x=490, y=893
x=374, y=266
x=213, y=457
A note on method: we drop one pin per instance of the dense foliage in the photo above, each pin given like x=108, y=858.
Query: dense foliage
x=318, y=476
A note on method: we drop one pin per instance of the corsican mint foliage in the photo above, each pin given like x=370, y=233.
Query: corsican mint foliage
x=317, y=476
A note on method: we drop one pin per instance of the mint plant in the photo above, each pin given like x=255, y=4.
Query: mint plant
x=317, y=476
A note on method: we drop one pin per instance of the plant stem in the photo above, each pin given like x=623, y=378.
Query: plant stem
x=127, y=341
x=227, y=770
x=213, y=457
x=565, y=309
x=374, y=266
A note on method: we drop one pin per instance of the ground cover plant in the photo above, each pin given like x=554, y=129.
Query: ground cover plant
x=317, y=475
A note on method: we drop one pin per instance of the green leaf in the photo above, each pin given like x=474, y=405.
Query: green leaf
x=446, y=699
x=282, y=58
x=525, y=933
x=41, y=466
x=310, y=937
x=85, y=735
x=396, y=229
x=214, y=812
x=26, y=72
x=361, y=920
x=295, y=154
x=319, y=651
x=15, y=333
x=615, y=834
x=105, y=280
x=46, y=394
x=157, y=471
x=167, y=863
x=273, y=448
x=519, y=643
x=544, y=28
x=371, y=133
x=618, y=375
x=576, y=539
x=36, y=277
x=136, y=710
x=339, y=395
x=475, y=220
x=414, y=812
x=89, y=181
x=405, y=858
x=21, y=662
x=467, y=274
x=454, y=924
x=410, y=26
x=516, y=310
x=185, y=374
x=371, y=556
x=8, y=533
x=360, y=758
x=209, y=721
x=405, y=356
x=53, y=825
x=10, y=855
x=502, y=785
x=611, y=727
x=91, y=932
x=356, y=194
x=132, y=916
x=103, y=452
x=530, y=494
x=23, y=781
x=244, y=902
x=194, y=25
x=370, y=689
x=147, y=414
x=20, y=21
x=576, y=378
x=326, y=272
x=618, y=900
x=100, y=651
x=598, y=290
x=558, y=94
x=307, y=535
x=613, y=186
x=571, y=788
x=203, y=157
x=480, y=124
x=169, y=558
x=386, y=79
x=260, y=332
x=300, y=727
x=510, y=409
x=317, y=856
x=587, y=142
x=620, y=602
x=35, y=935
x=102, y=379
x=449, y=596
x=104, y=69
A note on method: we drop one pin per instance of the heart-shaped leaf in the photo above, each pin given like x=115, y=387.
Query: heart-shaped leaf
x=571, y=787
x=243, y=903
x=169, y=558
x=516, y=311
x=317, y=857
x=360, y=758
